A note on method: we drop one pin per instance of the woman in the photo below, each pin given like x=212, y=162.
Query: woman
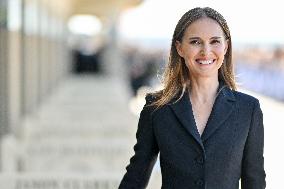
x=208, y=135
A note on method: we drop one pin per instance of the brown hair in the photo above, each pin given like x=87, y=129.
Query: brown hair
x=176, y=76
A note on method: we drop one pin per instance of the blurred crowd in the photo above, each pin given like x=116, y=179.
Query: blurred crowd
x=257, y=68
x=86, y=62
x=261, y=69
x=87, y=54
x=144, y=67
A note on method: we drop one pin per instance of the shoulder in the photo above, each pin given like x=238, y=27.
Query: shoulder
x=246, y=99
x=152, y=97
x=151, y=103
x=148, y=109
x=244, y=96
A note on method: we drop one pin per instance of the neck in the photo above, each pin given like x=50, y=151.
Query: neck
x=203, y=90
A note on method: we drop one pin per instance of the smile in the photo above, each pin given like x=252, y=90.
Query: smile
x=205, y=62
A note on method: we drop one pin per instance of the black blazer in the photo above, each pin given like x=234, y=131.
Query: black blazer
x=230, y=148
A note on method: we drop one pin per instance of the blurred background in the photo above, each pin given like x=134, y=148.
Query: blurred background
x=74, y=74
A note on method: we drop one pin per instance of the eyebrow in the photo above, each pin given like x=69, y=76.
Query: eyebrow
x=215, y=37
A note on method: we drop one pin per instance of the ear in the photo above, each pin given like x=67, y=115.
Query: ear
x=179, y=48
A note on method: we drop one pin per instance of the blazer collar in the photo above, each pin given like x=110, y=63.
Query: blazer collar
x=222, y=108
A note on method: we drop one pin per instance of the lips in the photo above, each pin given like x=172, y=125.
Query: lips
x=205, y=62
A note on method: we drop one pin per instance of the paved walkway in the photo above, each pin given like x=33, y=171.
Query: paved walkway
x=84, y=135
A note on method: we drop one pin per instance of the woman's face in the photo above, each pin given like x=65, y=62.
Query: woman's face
x=203, y=48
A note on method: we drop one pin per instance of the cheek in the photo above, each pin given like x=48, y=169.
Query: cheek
x=220, y=51
x=191, y=53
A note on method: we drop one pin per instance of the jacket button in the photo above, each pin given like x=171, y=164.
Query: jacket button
x=199, y=182
x=199, y=160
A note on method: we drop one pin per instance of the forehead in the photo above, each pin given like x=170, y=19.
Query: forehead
x=204, y=27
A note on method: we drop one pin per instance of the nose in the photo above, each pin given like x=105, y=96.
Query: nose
x=205, y=50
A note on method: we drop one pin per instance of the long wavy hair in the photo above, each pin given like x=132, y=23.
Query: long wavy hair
x=176, y=76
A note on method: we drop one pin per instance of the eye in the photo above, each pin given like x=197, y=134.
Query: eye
x=215, y=41
x=195, y=42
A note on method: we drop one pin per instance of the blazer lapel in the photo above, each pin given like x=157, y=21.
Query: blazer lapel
x=183, y=111
x=222, y=108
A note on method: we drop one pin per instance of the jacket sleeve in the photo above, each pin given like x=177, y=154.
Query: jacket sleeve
x=253, y=174
x=145, y=152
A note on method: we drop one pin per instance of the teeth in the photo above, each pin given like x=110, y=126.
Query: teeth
x=205, y=62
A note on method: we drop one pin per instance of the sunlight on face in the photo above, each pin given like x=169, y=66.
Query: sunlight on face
x=203, y=48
